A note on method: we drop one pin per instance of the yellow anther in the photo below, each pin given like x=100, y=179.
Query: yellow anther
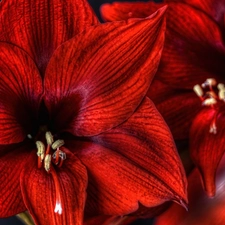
x=58, y=144
x=49, y=138
x=220, y=86
x=47, y=162
x=198, y=90
x=41, y=149
x=209, y=101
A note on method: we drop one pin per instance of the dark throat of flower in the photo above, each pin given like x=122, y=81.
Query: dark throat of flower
x=49, y=155
x=211, y=98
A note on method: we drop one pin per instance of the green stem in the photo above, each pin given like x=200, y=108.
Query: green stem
x=26, y=218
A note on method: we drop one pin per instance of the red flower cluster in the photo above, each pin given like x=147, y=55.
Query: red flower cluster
x=78, y=136
x=189, y=87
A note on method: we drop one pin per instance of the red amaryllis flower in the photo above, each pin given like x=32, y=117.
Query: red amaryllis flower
x=194, y=51
x=202, y=210
x=88, y=116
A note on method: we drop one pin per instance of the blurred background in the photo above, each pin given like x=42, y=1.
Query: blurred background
x=14, y=220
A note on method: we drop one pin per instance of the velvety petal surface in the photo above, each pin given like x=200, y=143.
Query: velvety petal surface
x=39, y=191
x=117, y=11
x=96, y=80
x=133, y=163
x=39, y=27
x=194, y=49
x=179, y=111
x=20, y=94
x=207, y=148
x=214, y=8
x=13, y=158
x=202, y=210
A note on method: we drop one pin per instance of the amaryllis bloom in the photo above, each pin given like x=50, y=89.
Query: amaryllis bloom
x=194, y=54
x=77, y=130
x=202, y=210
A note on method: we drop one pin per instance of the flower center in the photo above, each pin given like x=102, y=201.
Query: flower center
x=48, y=155
x=211, y=98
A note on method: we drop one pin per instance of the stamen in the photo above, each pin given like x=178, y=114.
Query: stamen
x=198, y=90
x=41, y=149
x=49, y=138
x=57, y=144
x=209, y=101
x=209, y=83
x=47, y=162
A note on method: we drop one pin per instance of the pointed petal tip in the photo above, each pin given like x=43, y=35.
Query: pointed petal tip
x=183, y=203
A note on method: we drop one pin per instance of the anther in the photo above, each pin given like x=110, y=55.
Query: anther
x=41, y=149
x=220, y=86
x=47, y=162
x=57, y=144
x=209, y=83
x=49, y=138
x=198, y=90
x=209, y=101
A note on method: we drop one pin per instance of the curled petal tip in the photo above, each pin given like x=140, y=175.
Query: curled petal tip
x=184, y=204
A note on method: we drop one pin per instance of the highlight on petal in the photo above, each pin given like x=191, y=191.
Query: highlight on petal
x=134, y=163
x=202, y=210
x=40, y=191
x=96, y=80
x=207, y=148
x=12, y=160
x=117, y=11
x=20, y=94
x=192, y=53
x=39, y=27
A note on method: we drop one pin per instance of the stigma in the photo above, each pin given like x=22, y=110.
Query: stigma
x=211, y=94
x=51, y=155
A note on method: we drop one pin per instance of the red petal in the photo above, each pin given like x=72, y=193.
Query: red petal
x=39, y=192
x=20, y=94
x=12, y=160
x=207, y=148
x=193, y=52
x=202, y=210
x=178, y=108
x=124, y=10
x=39, y=27
x=213, y=8
x=134, y=163
x=96, y=80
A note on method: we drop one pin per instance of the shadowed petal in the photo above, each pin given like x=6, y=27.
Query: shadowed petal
x=123, y=10
x=213, y=8
x=39, y=191
x=202, y=210
x=96, y=80
x=134, y=163
x=12, y=160
x=20, y=94
x=207, y=148
x=39, y=27
x=191, y=53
